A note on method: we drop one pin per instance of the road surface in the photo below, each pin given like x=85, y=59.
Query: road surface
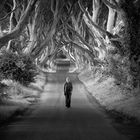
x=51, y=120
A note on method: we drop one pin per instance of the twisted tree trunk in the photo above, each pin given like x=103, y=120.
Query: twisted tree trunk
x=20, y=26
x=11, y=23
x=111, y=20
x=95, y=13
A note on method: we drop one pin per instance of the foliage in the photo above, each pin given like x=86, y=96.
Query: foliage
x=17, y=67
x=131, y=37
x=3, y=87
x=119, y=68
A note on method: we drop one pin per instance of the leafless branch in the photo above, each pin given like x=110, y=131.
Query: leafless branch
x=113, y=6
x=3, y=18
x=20, y=26
x=80, y=37
x=52, y=6
x=83, y=49
x=95, y=25
x=69, y=15
x=51, y=32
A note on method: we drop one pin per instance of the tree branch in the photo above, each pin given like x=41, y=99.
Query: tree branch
x=20, y=26
x=80, y=37
x=36, y=52
x=90, y=52
x=107, y=3
x=69, y=15
x=14, y=9
x=58, y=47
x=52, y=6
x=92, y=56
x=95, y=25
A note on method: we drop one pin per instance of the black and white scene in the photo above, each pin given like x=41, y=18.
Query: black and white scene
x=69, y=69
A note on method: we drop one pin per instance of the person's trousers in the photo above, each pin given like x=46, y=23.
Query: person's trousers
x=68, y=100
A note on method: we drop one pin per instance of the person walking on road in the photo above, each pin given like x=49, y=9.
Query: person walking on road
x=68, y=92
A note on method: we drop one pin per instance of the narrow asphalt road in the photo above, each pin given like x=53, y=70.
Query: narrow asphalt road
x=51, y=120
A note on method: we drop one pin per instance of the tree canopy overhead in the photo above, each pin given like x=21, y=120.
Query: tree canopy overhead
x=90, y=31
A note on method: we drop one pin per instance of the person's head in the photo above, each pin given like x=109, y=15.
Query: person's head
x=67, y=79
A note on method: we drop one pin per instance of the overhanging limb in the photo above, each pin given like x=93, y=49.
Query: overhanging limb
x=20, y=26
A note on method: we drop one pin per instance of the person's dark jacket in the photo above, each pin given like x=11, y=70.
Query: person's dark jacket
x=68, y=88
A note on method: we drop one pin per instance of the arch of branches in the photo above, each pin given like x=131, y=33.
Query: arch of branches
x=89, y=30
